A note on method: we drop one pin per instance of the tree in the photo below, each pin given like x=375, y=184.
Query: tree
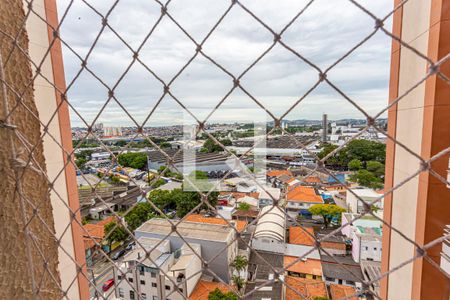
x=156, y=184
x=327, y=211
x=238, y=282
x=197, y=174
x=135, y=160
x=367, y=179
x=139, y=214
x=115, y=179
x=165, y=145
x=219, y=295
x=321, y=298
x=115, y=233
x=243, y=206
x=239, y=263
x=162, y=199
x=355, y=164
x=376, y=168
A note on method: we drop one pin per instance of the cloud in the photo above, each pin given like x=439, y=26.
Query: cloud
x=322, y=34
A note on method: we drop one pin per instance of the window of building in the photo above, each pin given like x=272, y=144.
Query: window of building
x=154, y=284
x=130, y=279
x=367, y=248
x=375, y=248
x=314, y=277
x=155, y=297
x=340, y=281
x=121, y=294
x=329, y=278
x=153, y=274
x=181, y=290
x=119, y=277
x=144, y=296
x=143, y=282
x=167, y=288
x=350, y=282
x=132, y=295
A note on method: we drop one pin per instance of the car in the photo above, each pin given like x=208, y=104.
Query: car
x=130, y=246
x=108, y=284
x=118, y=254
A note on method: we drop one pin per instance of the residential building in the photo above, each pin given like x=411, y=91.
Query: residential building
x=300, y=235
x=270, y=230
x=303, y=267
x=218, y=242
x=300, y=198
x=342, y=270
x=366, y=236
x=267, y=196
x=165, y=273
x=368, y=195
x=335, y=244
x=303, y=288
x=196, y=218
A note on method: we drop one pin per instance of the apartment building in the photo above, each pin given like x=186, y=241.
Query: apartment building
x=217, y=241
x=166, y=274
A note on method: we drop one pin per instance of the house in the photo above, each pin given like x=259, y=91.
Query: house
x=341, y=270
x=166, y=273
x=366, y=236
x=303, y=267
x=368, y=195
x=303, y=288
x=300, y=198
x=270, y=230
x=339, y=291
x=93, y=235
x=212, y=238
x=300, y=235
x=267, y=195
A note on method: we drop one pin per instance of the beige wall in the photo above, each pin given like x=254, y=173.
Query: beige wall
x=46, y=104
x=415, y=23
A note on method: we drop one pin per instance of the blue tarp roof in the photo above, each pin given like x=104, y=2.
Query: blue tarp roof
x=340, y=177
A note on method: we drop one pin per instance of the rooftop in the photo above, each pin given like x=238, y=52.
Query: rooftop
x=193, y=230
x=203, y=288
x=240, y=225
x=271, y=223
x=302, y=288
x=339, y=291
x=303, y=194
x=276, y=173
x=344, y=272
x=301, y=235
x=303, y=266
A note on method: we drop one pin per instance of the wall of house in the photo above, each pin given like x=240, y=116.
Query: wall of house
x=370, y=250
x=267, y=244
x=210, y=250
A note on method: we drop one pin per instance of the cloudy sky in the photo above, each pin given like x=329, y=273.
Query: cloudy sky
x=326, y=31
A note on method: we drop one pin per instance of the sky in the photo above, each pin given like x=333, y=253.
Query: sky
x=322, y=34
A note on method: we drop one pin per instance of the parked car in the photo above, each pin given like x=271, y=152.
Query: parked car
x=108, y=284
x=130, y=246
x=117, y=255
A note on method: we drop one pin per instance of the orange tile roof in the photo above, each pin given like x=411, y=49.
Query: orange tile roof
x=240, y=225
x=95, y=231
x=310, y=266
x=276, y=173
x=312, y=179
x=303, y=194
x=88, y=243
x=203, y=288
x=301, y=235
x=238, y=195
x=308, y=288
x=106, y=221
x=339, y=291
x=333, y=245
